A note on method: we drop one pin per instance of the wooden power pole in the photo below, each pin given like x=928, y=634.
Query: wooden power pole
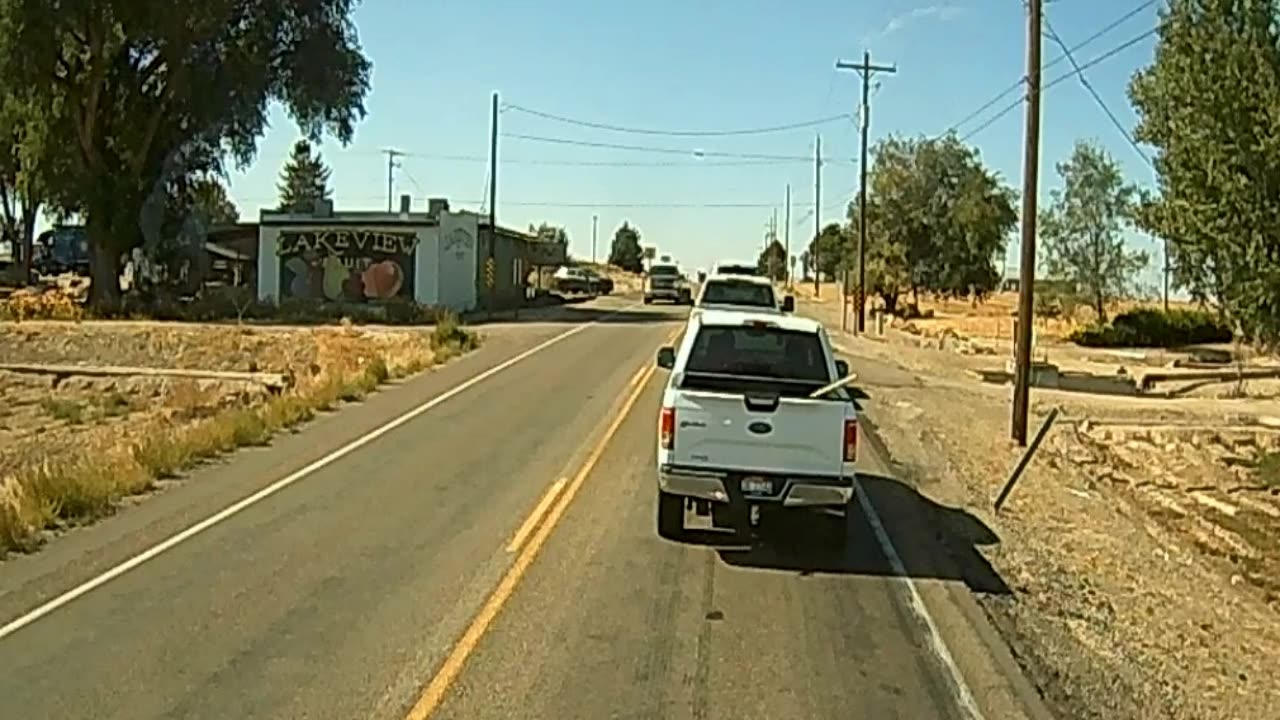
x=817, y=216
x=866, y=70
x=1030, y=186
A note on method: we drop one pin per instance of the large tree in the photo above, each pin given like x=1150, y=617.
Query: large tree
x=829, y=249
x=1083, y=229
x=140, y=93
x=25, y=171
x=772, y=262
x=304, y=180
x=1208, y=105
x=937, y=219
x=625, y=252
x=209, y=198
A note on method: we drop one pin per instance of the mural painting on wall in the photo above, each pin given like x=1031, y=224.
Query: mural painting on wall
x=347, y=265
x=458, y=242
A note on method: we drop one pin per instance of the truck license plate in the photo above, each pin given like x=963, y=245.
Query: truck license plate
x=756, y=486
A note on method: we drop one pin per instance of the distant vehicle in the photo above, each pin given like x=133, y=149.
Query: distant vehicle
x=666, y=282
x=740, y=292
x=61, y=250
x=581, y=281
x=598, y=284
x=733, y=267
x=750, y=422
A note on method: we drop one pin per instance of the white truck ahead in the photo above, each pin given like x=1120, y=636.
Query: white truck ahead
x=740, y=433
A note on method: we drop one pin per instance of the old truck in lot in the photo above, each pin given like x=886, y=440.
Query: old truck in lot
x=754, y=420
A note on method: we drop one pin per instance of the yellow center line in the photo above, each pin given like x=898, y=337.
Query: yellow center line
x=538, y=511
x=433, y=694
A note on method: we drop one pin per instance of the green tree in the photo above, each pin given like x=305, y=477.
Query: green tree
x=937, y=219
x=209, y=198
x=1083, y=229
x=625, y=251
x=829, y=247
x=27, y=166
x=304, y=179
x=1207, y=103
x=139, y=97
x=773, y=261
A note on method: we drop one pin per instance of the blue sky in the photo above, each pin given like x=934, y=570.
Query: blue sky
x=696, y=65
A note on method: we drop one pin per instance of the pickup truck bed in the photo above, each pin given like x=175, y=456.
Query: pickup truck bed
x=732, y=443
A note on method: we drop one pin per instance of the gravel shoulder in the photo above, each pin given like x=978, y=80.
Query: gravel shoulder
x=1141, y=544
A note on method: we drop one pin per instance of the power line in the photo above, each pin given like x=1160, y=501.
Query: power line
x=658, y=150
x=681, y=133
x=1062, y=78
x=1065, y=56
x=577, y=204
x=1053, y=35
x=614, y=163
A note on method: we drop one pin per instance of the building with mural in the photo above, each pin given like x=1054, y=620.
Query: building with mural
x=439, y=257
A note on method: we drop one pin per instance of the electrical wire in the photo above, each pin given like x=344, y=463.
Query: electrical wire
x=1063, y=78
x=664, y=151
x=1065, y=56
x=681, y=133
x=1053, y=35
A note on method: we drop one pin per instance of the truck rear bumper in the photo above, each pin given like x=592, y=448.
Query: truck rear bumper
x=788, y=492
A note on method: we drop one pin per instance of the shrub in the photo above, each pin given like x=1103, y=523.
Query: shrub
x=1150, y=327
x=449, y=335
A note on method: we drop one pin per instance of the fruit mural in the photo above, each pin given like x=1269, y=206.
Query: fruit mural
x=348, y=265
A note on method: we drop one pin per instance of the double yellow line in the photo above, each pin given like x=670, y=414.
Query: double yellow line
x=527, y=542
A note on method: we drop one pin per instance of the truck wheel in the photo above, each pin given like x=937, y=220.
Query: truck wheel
x=670, y=516
x=648, y=300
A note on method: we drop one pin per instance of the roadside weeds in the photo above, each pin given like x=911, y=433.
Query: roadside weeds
x=61, y=491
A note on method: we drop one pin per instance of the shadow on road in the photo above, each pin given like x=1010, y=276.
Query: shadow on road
x=586, y=311
x=933, y=541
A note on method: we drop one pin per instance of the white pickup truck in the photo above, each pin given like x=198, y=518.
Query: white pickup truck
x=739, y=431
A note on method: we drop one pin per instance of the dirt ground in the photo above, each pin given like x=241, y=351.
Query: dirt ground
x=44, y=419
x=1142, y=544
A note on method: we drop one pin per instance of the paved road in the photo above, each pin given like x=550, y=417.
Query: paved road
x=402, y=578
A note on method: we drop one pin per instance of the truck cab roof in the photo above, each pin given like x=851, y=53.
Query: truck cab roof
x=725, y=317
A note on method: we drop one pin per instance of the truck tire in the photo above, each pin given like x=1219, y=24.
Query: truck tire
x=648, y=300
x=670, y=516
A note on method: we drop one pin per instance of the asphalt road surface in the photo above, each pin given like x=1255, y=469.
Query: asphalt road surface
x=494, y=556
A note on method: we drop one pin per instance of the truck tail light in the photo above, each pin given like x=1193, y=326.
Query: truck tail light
x=667, y=428
x=850, y=440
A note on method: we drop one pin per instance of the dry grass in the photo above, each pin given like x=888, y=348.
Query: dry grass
x=91, y=472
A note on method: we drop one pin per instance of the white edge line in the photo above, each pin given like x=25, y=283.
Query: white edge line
x=275, y=487
x=536, y=516
x=964, y=696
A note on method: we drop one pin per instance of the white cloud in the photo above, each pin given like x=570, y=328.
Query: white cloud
x=940, y=13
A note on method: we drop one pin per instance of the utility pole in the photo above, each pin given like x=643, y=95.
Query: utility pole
x=768, y=249
x=493, y=197
x=786, y=246
x=817, y=215
x=1030, y=184
x=392, y=164
x=866, y=70
x=595, y=220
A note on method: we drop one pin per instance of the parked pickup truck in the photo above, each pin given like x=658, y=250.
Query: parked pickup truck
x=739, y=433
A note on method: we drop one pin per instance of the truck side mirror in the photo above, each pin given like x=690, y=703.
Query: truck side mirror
x=842, y=368
x=667, y=358
x=789, y=304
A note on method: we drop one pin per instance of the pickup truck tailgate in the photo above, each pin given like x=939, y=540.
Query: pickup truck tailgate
x=727, y=431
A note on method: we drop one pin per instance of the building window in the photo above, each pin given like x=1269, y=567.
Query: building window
x=517, y=272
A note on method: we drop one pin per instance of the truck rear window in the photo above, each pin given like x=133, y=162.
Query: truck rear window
x=664, y=270
x=758, y=352
x=730, y=292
